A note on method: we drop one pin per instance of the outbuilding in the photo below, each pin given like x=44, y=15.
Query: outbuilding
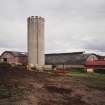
x=70, y=60
x=13, y=57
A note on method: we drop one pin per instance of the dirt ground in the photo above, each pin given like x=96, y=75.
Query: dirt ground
x=20, y=87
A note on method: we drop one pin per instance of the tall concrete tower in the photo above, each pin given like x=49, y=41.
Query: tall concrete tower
x=35, y=41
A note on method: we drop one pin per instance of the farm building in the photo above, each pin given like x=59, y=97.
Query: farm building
x=58, y=60
x=69, y=60
x=14, y=57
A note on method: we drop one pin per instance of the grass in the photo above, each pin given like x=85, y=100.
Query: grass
x=92, y=80
x=87, y=75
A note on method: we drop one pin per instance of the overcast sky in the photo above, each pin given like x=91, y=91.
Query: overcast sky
x=70, y=25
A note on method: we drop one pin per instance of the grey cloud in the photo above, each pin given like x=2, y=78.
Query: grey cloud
x=70, y=24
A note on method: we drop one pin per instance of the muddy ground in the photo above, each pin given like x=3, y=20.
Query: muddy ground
x=22, y=87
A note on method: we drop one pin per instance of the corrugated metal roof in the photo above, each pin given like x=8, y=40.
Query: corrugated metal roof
x=15, y=53
x=67, y=58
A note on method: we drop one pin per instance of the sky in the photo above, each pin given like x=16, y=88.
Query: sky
x=70, y=25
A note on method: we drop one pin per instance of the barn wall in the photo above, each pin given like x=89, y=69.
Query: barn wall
x=92, y=58
x=23, y=60
x=10, y=58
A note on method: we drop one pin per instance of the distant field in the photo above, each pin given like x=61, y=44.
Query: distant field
x=87, y=75
x=92, y=79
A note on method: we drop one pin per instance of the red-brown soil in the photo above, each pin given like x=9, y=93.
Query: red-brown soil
x=22, y=87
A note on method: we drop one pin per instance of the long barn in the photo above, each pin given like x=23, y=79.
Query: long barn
x=67, y=60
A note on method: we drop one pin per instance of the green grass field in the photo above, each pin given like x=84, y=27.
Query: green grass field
x=87, y=75
x=93, y=80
